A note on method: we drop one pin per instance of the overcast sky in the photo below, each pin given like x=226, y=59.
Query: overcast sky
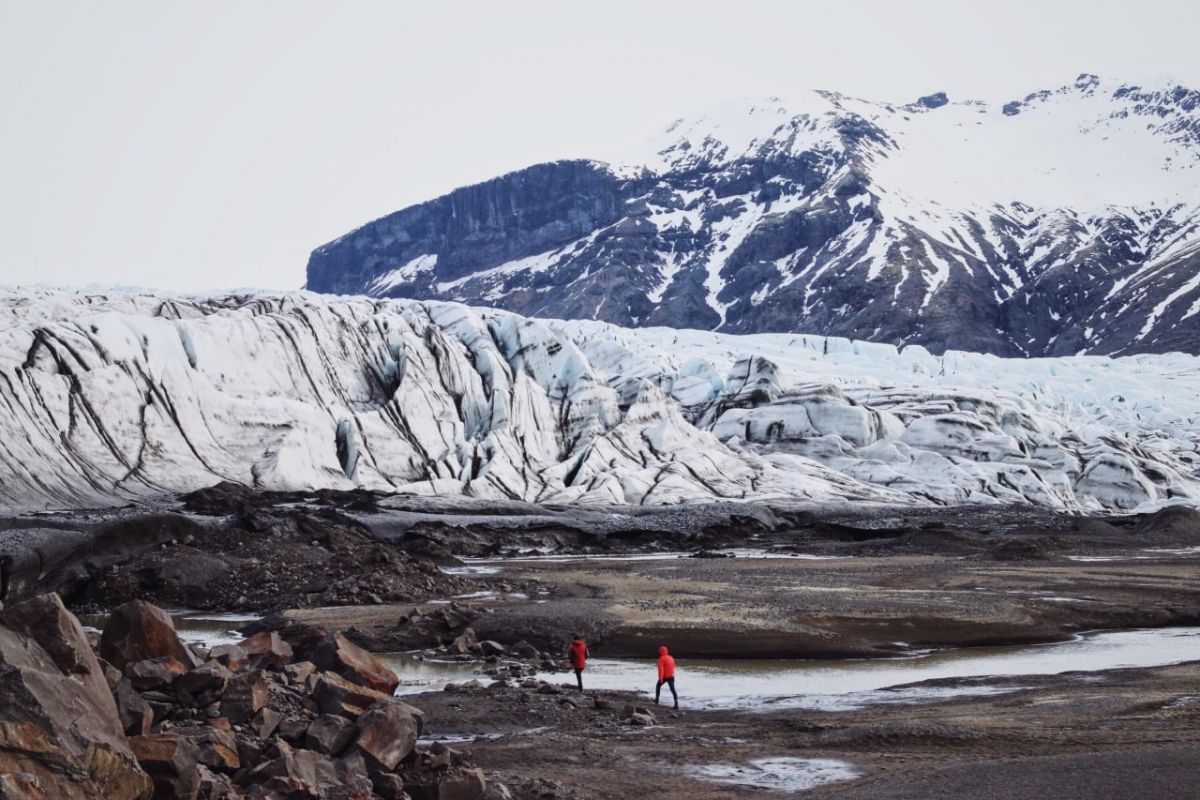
x=199, y=145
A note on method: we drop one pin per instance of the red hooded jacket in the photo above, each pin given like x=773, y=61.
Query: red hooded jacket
x=578, y=654
x=666, y=664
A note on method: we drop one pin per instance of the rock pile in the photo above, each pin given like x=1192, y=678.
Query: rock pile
x=150, y=716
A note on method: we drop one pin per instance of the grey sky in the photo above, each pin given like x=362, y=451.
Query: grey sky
x=213, y=144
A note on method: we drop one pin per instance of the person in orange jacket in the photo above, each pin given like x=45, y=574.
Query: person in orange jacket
x=666, y=674
x=577, y=653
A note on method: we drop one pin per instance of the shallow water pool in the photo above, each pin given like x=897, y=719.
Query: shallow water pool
x=830, y=684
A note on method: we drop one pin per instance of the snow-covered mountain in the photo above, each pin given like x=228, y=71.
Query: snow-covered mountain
x=1065, y=222
x=118, y=396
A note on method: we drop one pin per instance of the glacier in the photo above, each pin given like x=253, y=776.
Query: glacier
x=109, y=397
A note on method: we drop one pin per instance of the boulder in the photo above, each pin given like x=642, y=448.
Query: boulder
x=464, y=643
x=46, y=620
x=387, y=732
x=264, y=723
x=298, y=771
x=137, y=631
x=459, y=784
x=134, y=712
x=58, y=720
x=154, y=673
x=293, y=730
x=211, y=676
x=336, y=653
x=330, y=734
x=388, y=785
x=492, y=648
x=171, y=761
x=336, y=695
x=355, y=776
x=215, y=786
x=299, y=671
x=245, y=695
x=266, y=650
x=231, y=656
x=215, y=748
x=496, y=791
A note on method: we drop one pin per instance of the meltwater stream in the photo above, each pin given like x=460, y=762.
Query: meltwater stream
x=826, y=684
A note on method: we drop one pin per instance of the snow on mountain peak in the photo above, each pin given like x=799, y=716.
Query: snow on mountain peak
x=1066, y=221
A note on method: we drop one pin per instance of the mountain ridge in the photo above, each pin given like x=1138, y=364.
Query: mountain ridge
x=1064, y=222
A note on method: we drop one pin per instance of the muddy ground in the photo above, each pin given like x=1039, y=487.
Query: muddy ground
x=1113, y=734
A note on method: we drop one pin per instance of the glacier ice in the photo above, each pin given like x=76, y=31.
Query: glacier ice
x=117, y=396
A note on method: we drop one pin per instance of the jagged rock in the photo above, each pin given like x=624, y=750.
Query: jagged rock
x=459, y=784
x=465, y=642
x=293, y=729
x=21, y=786
x=354, y=774
x=296, y=769
x=112, y=675
x=47, y=621
x=154, y=673
x=338, y=654
x=60, y=726
x=215, y=749
x=264, y=723
x=245, y=695
x=171, y=762
x=299, y=671
x=330, y=734
x=387, y=731
x=267, y=650
x=496, y=791
x=641, y=719
x=214, y=786
x=232, y=656
x=137, y=631
x=212, y=676
x=491, y=648
x=134, y=712
x=388, y=785
x=250, y=751
x=336, y=695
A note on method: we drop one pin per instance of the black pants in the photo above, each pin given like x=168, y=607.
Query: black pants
x=579, y=676
x=670, y=682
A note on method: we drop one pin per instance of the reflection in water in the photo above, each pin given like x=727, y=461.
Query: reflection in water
x=821, y=684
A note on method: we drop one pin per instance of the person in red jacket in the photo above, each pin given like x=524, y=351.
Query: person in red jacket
x=666, y=674
x=577, y=653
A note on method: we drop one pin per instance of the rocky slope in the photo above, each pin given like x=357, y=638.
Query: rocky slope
x=144, y=715
x=1067, y=221
x=115, y=397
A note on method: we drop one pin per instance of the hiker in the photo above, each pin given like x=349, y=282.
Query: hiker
x=578, y=653
x=666, y=674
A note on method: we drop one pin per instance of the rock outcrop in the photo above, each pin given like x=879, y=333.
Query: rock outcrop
x=266, y=726
x=60, y=732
